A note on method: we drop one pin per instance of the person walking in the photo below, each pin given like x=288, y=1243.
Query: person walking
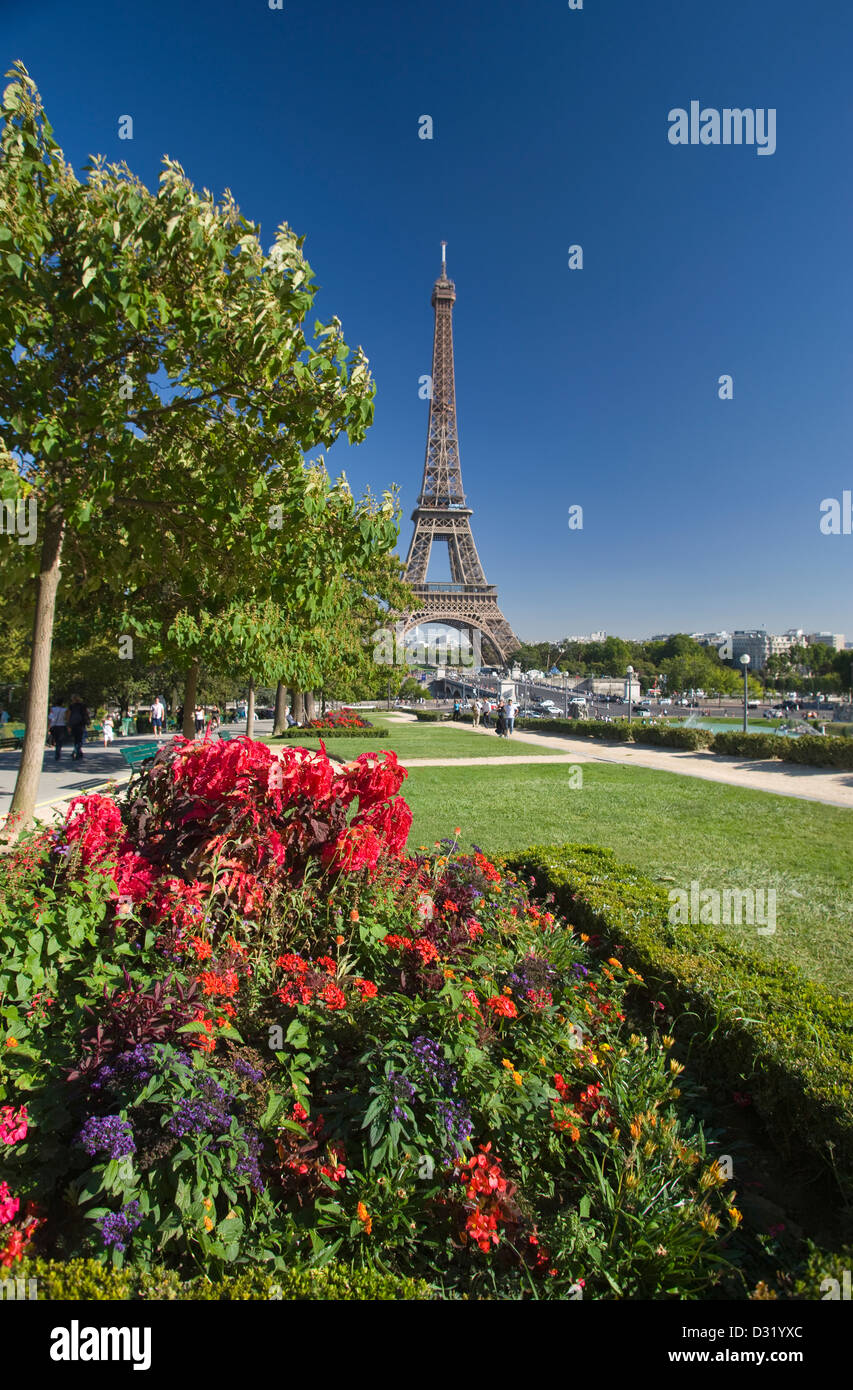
x=511, y=711
x=78, y=718
x=477, y=710
x=501, y=719
x=158, y=714
x=57, y=721
x=108, y=730
x=199, y=720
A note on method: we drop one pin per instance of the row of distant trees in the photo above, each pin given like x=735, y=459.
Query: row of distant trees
x=159, y=400
x=686, y=664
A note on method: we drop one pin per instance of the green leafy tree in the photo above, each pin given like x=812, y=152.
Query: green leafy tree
x=152, y=364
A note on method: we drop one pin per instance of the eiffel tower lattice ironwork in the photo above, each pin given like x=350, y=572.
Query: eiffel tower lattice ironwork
x=441, y=513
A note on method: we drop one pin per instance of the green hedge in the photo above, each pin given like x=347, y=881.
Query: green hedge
x=91, y=1281
x=432, y=716
x=757, y=1026
x=814, y=750
x=620, y=731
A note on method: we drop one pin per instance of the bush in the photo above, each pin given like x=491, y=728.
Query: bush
x=819, y=751
x=90, y=1281
x=736, y=744
x=815, y=750
x=244, y=1029
x=432, y=716
x=753, y=1023
x=674, y=737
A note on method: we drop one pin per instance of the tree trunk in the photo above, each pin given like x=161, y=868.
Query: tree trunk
x=298, y=710
x=190, y=696
x=38, y=692
x=279, y=723
x=310, y=707
x=250, y=709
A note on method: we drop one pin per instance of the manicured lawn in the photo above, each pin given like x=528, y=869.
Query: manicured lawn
x=426, y=741
x=675, y=828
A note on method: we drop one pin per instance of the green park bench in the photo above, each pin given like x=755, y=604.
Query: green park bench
x=137, y=753
x=11, y=737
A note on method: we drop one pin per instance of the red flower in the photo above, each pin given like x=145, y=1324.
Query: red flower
x=501, y=1006
x=333, y=997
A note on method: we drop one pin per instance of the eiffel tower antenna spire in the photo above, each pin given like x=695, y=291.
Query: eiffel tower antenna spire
x=441, y=513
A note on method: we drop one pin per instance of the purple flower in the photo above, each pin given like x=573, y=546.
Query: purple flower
x=457, y=1120
x=244, y=1069
x=118, y=1226
x=431, y=1058
x=248, y=1165
x=402, y=1092
x=110, y=1133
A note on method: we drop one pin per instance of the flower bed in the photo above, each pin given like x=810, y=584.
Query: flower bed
x=338, y=719
x=240, y=1026
x=299, y=735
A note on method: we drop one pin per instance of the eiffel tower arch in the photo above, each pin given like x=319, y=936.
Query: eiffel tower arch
x=467, y=602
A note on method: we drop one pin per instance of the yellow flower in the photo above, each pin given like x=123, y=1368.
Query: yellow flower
x=736, y=1216
x=507, y=1063
x=208, y=1224
x=649, y=1148
x=542, y=1062
x=667, y=1041
x=675, y=1067
x=611, y=960
x=615, y=1135
x=632, y=1180
x=636, y=1129
x=636, y=976
x=517, y=1078
x=584, y=936
x=207, y=1203
x=710, y=1224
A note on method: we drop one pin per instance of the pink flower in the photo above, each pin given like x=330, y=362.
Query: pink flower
x=13, y=1124
x=8, y=1205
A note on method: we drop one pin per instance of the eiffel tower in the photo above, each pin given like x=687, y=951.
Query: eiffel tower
x=467, y=601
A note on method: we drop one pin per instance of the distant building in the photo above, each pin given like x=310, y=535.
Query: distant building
x=755, y=644
x=591, y=637
x=827, y=639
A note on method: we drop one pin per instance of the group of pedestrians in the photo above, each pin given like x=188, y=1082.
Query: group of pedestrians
x=68, y=723
x=504, y=711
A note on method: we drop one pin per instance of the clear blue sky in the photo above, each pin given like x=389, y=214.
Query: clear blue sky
x=595, y=387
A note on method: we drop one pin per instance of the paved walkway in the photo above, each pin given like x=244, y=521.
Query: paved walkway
x=99, y=769
x=765, y=775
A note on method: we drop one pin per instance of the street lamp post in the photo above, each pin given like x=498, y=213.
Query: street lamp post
x=744, y=661
x=565, y=694
x=630, y=674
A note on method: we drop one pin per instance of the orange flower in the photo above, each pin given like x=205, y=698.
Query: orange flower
x=339, y=941
x=11, y=1042
x=457, y=831
x=208, y=1224
x=354, y=915
x=365, y=1218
